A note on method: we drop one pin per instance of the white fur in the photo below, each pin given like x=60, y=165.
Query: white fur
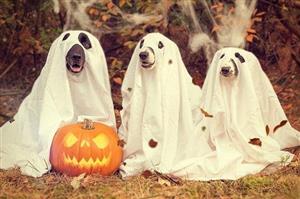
x=150, y=61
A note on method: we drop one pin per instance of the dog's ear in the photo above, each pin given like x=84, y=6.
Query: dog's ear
x=240, y=57
x=66, y=36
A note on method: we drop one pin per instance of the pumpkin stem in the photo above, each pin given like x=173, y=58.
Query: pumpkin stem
x=88, y=124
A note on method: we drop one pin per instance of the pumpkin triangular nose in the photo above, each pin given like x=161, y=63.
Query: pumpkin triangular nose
x=84, y=143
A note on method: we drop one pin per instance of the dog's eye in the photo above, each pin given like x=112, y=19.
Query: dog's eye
x=160, y=45
x=222, y=56
x=66, y=36
x=141, y=43
x=84, y=40
x=240, y=57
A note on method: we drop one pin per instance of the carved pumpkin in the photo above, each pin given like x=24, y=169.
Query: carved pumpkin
x=85, y=148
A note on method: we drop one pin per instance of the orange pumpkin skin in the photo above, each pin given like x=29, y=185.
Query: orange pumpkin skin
x=76, y=150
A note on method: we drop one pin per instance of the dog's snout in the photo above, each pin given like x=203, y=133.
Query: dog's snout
x=76, y=56
x=225, y=70
x=144, y=55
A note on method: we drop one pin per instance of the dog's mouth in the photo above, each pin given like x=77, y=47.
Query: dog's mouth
x=75, y=67
x=147, y=65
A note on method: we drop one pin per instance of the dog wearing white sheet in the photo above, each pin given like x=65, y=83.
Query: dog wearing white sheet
x=246, y=127
x=158, y=102
x=73, y=85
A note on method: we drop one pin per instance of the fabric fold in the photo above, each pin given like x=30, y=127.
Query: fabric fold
x=58, y=97
x=158, y=103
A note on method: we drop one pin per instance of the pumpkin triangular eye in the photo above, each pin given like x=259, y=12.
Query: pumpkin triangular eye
x=101, y=141
x=70, y=140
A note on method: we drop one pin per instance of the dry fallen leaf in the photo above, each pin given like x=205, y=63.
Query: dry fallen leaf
x=75, y=183
x=231, y=10
x=152, y=143
x=287, y=107
x=258, y=19
x=105, y=17
x=216, y=28
x=218, y=7
x=93, y=11
x=255, y=141
x=260, y=14
x=118, y=80
x=121, y=143
x=250, y=38
x=282, y=123
x=165, y=182
x=250, y=30
x=206, y=114
x=147, y=173
x=267, y=129
x=130, y=44
x=110, y=5
x=88, y=181
x=122, y=3
x=170, y=178
x=219, y=16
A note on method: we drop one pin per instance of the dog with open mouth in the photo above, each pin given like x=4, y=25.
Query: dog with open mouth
x=159, y=104
x=75, y=57
x=74, y=84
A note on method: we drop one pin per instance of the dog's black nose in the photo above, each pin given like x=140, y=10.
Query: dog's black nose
x=225, y=70
x=143, y=55
x=76, y=56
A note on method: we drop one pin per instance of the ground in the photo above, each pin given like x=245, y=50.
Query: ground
x=284, y=183
x=277, y=48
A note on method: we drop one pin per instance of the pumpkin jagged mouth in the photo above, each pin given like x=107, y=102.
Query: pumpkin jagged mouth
x=83, y=163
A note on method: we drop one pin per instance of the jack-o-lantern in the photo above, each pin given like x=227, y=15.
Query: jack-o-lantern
x=85, y=148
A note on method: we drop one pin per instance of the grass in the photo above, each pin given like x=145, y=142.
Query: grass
x=284, y=183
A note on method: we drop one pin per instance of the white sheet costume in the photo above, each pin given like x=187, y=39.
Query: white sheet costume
x=157, y=119
x=242, y=110
x=58, y=97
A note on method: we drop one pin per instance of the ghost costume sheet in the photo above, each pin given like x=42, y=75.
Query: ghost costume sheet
x=58, y=97
x=245, y=125
x=158, y=103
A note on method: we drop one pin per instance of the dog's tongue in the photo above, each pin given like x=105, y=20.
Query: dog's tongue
x=76, y=68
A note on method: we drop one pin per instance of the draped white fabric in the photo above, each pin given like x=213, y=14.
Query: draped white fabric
x=157, y=116
x=242, y=109
x=58, y=97
x=163, y=131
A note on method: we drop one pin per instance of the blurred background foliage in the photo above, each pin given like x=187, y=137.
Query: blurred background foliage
x=28, y=27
